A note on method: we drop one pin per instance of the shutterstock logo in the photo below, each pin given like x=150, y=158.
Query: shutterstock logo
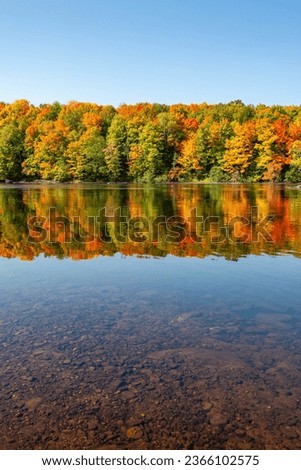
x=116, y=226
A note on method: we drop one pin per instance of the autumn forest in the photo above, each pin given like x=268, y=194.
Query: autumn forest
x=150, y=142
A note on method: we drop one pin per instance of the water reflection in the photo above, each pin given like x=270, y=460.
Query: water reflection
x=84, y=221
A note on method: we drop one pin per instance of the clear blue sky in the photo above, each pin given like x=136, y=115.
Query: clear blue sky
x=166, y=51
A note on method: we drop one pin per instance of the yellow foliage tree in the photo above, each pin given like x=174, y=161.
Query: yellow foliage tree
x=240, y=149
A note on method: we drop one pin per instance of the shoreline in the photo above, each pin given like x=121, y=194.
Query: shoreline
x=127, y=183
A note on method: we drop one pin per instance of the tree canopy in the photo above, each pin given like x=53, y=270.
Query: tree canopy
x=149, y=142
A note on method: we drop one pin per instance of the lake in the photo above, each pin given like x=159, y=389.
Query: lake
x=150, y=316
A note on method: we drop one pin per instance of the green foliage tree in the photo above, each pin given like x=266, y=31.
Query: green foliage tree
x=147, y=159
x=117, y=151
x=86, y=157
x=12, y=152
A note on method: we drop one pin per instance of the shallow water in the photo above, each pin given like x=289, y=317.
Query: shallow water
x=154, y=350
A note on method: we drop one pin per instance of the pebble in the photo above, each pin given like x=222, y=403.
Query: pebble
x=134, y=433
x=207, y=406
x=290, y=433
x=93, y=424
x=244, y=446
x=33, y=403
x=218, y=420
x=240, y=432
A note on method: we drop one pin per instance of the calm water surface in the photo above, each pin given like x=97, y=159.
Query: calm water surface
x=187, y=338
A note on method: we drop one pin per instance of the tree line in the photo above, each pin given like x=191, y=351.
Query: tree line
x=150, y=142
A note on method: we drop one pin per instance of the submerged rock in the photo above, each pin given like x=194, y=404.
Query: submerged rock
x=134, y=433
x=33, y=403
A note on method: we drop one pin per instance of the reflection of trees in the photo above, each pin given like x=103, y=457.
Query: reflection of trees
x=82, y=238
